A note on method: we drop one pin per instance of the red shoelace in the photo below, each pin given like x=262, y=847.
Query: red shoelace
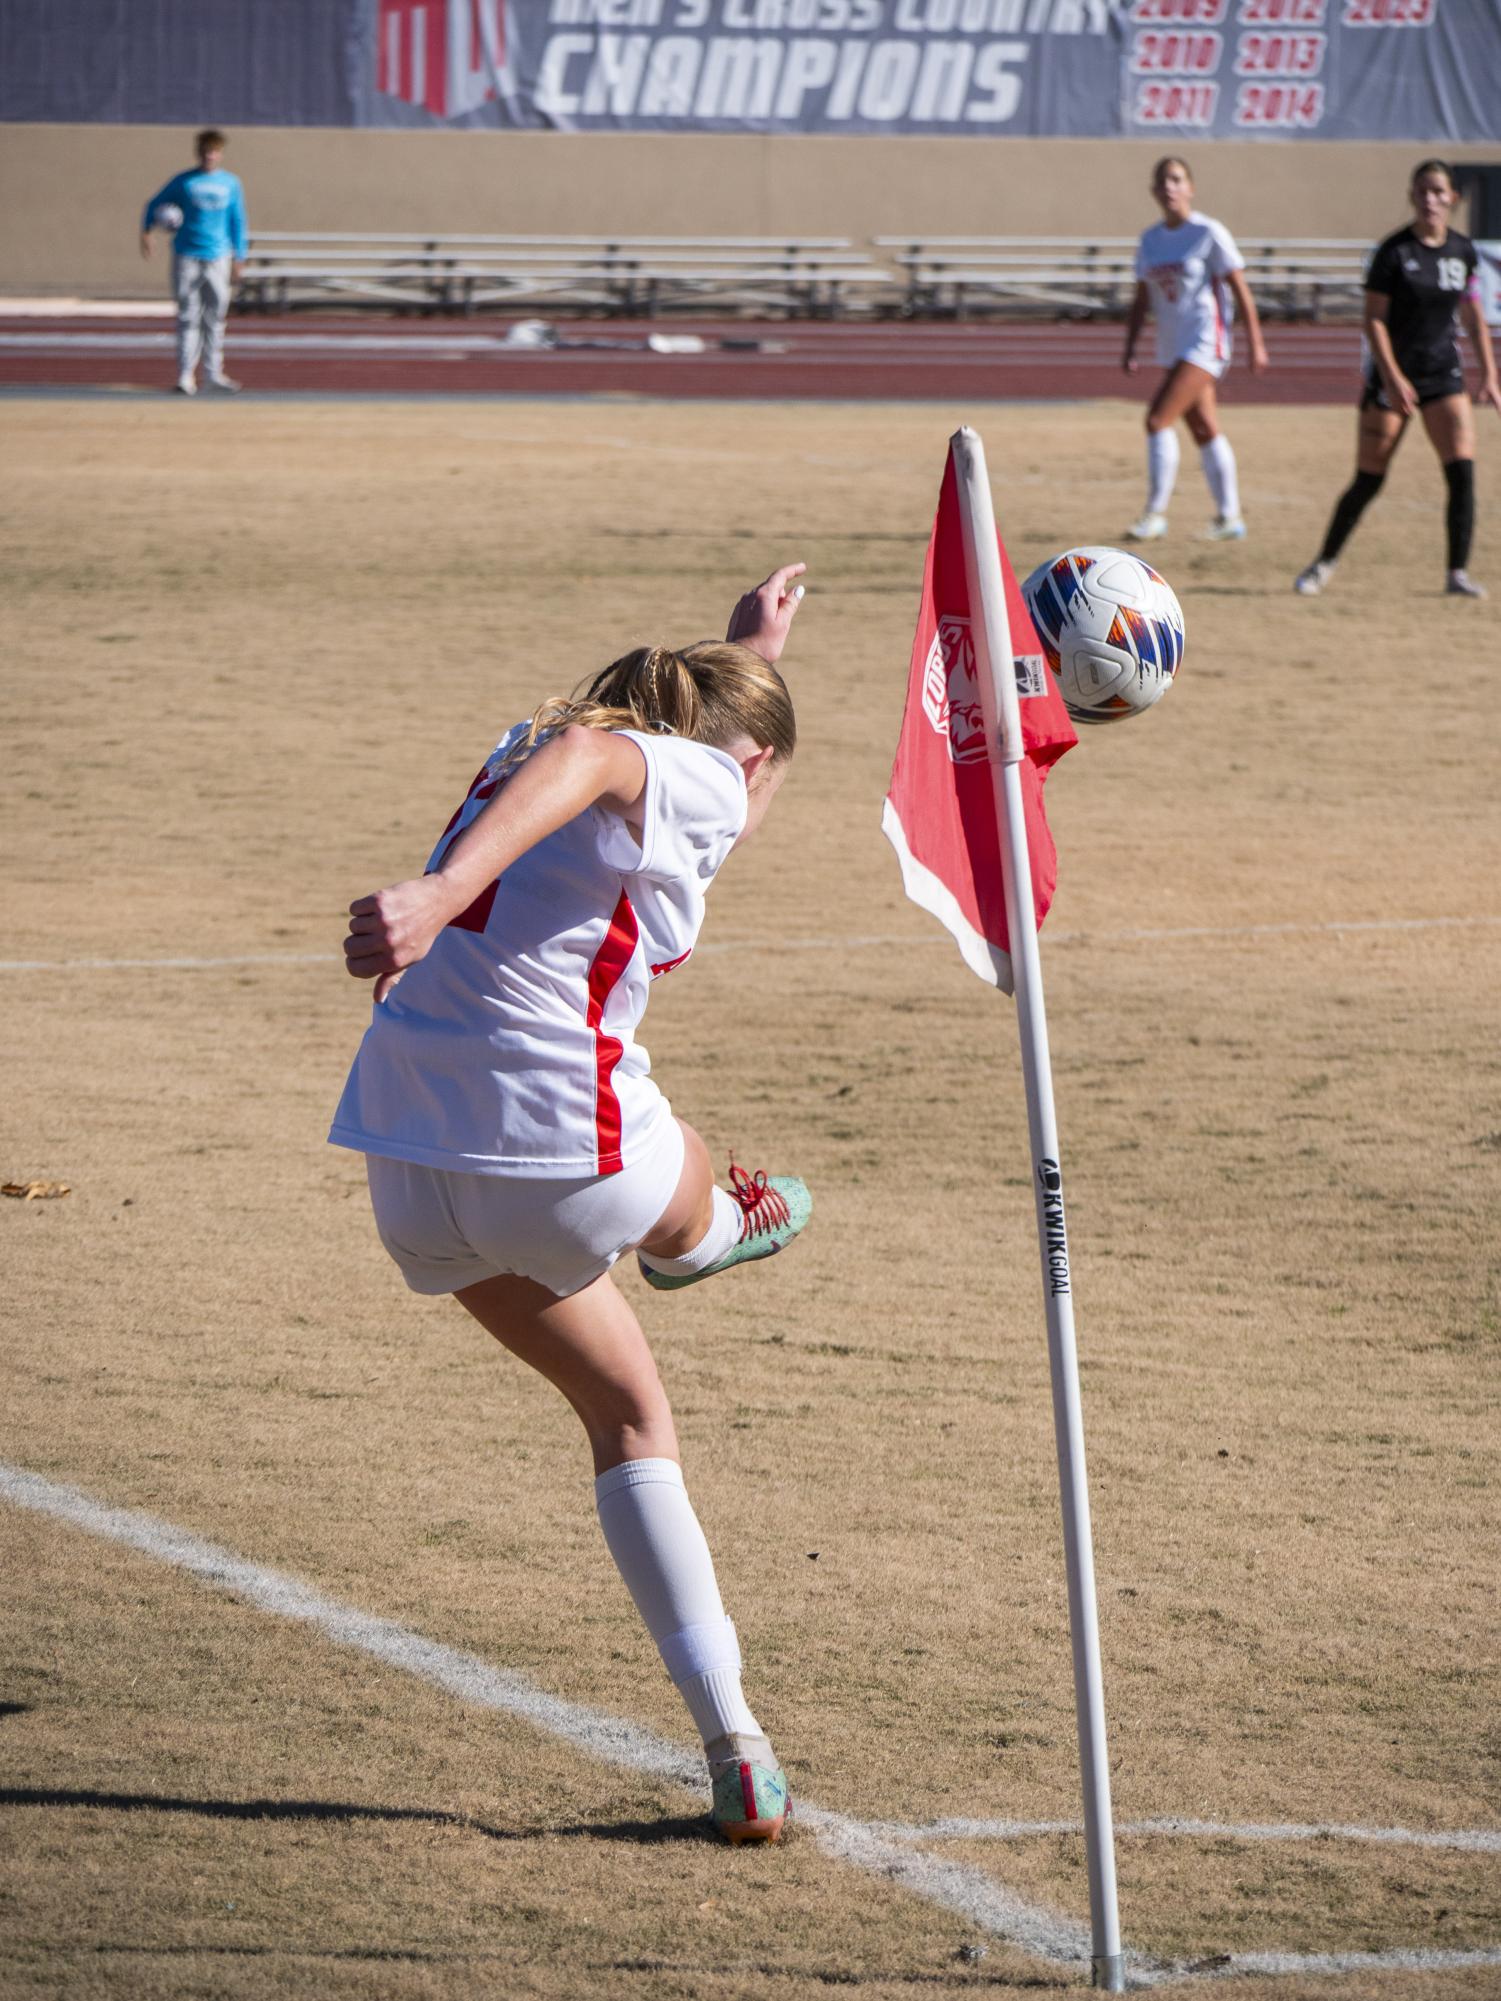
x=762, y=1208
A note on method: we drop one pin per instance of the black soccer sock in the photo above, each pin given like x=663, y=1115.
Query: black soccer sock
x=1348, y=509
x=1460, y=520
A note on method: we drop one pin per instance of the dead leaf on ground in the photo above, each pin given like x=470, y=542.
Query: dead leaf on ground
x=35, y=1191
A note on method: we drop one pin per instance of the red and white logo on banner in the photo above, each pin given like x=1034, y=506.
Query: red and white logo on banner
x=940, y=812
x=444, y=55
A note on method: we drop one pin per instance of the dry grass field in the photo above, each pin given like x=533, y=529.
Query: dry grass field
x=253, y=654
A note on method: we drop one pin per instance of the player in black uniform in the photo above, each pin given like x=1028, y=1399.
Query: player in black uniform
x=1416, y=282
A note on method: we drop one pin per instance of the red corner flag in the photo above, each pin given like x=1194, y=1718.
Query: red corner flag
x=940, y=813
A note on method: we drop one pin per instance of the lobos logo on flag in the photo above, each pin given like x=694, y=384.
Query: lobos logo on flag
x=940, y=812
x=443, y=55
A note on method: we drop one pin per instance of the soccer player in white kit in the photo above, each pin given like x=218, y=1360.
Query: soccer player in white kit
x=1188, y=272
x=516, y=1144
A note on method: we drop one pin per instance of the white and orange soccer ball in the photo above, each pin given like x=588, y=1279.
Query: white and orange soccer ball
x=1111, y=628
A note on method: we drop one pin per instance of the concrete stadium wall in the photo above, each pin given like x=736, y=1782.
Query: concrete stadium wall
x=73, y=193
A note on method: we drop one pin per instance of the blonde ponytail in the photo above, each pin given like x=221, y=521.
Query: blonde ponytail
x=711, y=693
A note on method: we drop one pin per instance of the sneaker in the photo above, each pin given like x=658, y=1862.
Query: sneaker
x=225, y=384
x=186, y=386
x=1150, y=528
x=1460, y=586
x=751, y=1802
x=1226, y=528
x=773, y=1210
x=1308, y=583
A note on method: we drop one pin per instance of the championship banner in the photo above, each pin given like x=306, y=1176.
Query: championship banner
x=1333, y=69
x=1422, y=70
x=940, y=811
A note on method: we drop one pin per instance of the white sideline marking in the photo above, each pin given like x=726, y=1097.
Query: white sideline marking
x=610, y=1739
x=1411, y=1959
x=880, y=1851
x=1474, y=1840
x=858, y=943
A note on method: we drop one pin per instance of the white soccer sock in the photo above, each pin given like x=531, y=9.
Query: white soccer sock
x=660, y=1551
x=721, y=1236
x=1219, y=471
x=1162, y=469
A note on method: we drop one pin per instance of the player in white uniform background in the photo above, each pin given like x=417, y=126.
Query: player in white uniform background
x=1188, y=273
x=516, y=1144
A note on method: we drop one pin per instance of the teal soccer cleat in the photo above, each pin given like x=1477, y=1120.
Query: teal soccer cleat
x=773, y=1210
x=751, y=1802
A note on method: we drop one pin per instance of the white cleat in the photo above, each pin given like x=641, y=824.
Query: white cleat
x=1226, y=528
x=1460, y=586
x=224, y=384
x=1308, y=583
x=186, y=386
x=1150, y=528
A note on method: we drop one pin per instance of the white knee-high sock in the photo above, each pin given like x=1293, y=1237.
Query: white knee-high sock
x=721, y=1236
x=660, y=1551
x=1219, y=471
x=1162, y=469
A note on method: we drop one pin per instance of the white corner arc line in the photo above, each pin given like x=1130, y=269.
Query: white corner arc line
x=968, y=1893
x=871, y=941
x=881, y=1851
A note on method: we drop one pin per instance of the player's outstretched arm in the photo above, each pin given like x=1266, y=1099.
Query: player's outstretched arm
x=576, y=769
x=763, y=617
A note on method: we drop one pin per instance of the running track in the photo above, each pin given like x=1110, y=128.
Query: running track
x=891, y=360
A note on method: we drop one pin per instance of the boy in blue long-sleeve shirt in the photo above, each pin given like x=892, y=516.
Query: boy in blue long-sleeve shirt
x=209, y=243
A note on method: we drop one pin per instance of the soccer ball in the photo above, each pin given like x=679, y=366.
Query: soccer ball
x=1112, y=630
x=166, y=215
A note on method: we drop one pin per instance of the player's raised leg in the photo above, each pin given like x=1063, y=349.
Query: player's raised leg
x=591, y=1347
x=707, y=1229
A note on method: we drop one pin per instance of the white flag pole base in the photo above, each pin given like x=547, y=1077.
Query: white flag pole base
x=991, y=633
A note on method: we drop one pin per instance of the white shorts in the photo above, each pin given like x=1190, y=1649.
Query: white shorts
x=1203, y=356
x=447, y=1230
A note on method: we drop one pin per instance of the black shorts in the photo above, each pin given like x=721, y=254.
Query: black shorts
x=1432, y=387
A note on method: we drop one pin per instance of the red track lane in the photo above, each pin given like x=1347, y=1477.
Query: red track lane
x=888, y=360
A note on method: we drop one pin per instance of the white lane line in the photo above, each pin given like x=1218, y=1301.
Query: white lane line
x=1473, y=1840
x=880, y=1851
x=858, y=943
x=1062, y=1941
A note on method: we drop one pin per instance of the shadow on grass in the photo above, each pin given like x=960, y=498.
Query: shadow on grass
x=668, y=1828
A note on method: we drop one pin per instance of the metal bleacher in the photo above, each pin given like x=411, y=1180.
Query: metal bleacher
x=1094, y=277
x=811, y=277
x=814, y=277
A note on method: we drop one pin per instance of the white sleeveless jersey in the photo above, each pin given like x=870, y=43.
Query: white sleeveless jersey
x=510, y=1048
x=1185, y=271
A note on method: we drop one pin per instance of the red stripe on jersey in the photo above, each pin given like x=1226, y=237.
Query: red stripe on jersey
x=1220, y=346
x=477, y=916
x=667, y=965
x=478, y=789
x=605, y=974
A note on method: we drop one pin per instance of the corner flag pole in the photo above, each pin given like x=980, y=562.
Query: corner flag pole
x=991, y=635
